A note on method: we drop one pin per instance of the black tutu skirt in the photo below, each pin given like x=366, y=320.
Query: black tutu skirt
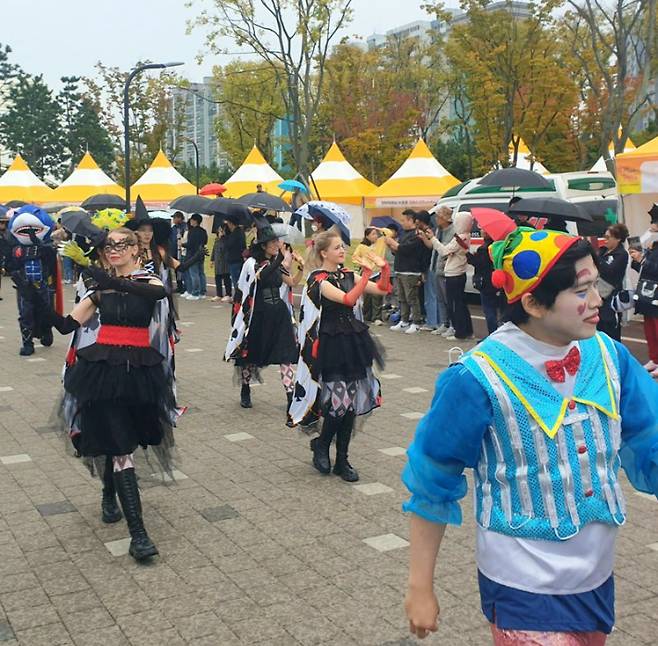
x=119, y=405
x=346, y=351
x=271, y=339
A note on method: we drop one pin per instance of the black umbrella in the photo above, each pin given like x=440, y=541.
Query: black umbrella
x=224, y=208
x=15, y=204
x=78, y=222
x=549, y=207
x=515, y=178
x=102, y=201
x=191, y=204
x=265, y=201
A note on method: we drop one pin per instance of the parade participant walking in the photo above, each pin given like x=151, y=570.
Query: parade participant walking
x=613, y=263
x=122, y=397
x=335, y=377
x=262, y=329
x=548, y=410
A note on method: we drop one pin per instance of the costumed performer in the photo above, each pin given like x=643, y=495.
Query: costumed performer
x=31, y=261
x=335, y=377
x=123, y=397
x=548, y=409
x=262, y=331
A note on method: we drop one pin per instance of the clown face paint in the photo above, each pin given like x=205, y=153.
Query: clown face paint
x=575, y=313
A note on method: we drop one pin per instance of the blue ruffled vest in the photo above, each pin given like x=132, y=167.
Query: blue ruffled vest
x=548, y=466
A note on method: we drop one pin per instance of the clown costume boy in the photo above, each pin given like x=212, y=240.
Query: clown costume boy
x=549, y=409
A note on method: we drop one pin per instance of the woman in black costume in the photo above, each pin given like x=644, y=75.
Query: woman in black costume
x=335, y=377
x=119, y=397
x=263, y=332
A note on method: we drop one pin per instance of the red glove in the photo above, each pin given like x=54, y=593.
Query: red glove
x=352, y=296
x=384, y=282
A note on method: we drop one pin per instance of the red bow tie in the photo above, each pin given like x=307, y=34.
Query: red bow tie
x=570, y=363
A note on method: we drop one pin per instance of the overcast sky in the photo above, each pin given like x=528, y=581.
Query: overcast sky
x=66, y=37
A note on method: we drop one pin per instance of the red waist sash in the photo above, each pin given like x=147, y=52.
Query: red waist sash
x=137, y=337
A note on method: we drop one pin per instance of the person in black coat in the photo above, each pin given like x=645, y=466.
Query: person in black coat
x=234, y=246
x=491, y=299
x=613, y=262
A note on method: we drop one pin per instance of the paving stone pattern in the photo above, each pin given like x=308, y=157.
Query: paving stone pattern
x=256, y=547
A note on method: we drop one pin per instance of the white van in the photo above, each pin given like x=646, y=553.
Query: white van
x=595, y=192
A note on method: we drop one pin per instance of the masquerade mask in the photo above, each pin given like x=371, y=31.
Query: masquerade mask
x=120, y=246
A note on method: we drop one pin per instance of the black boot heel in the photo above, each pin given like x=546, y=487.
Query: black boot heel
x=320, y=456
x=245, y=396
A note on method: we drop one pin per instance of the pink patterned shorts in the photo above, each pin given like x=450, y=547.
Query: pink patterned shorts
x=540, y=638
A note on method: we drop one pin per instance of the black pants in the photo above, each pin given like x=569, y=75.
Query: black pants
x=223, y=283
x=457, y=308
x=609, y=321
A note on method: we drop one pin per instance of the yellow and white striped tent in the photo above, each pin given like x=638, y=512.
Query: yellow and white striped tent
x=336, y=180
x=523, y=159
x=419, y=182
x=20, y=183
x=86, y=180
x=254, y=170
x=161, y=183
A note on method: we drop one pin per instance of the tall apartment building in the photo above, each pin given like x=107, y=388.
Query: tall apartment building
x=199, y=114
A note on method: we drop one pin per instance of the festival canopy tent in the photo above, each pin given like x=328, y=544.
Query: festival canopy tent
x=600, y=166
x=254, y=170
x=336, y=180
x=161, y=183
x=524, y=159
x=20, y=183
x=86, y=180
x=420, y=181
x=637, y=183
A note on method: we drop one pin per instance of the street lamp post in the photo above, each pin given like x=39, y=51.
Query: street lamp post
x=196, y=160
x=126, y=115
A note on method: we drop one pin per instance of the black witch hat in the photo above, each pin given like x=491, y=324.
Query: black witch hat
x=141, y=215
x=264, y=231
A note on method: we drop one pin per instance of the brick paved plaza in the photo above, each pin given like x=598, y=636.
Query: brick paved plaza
x=256, y=547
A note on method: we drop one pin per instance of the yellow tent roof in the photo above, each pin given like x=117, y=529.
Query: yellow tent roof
x=86, y=180
x=421, y=176
x=20, y=183
x=338, y=181
x=523, y=158
x=161, y=182
x=637, y=170
x=254, y=170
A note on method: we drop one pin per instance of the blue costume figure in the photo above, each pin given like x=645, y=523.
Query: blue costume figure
x=549, y=410
x=32, y=264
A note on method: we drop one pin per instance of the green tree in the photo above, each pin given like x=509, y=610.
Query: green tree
x=289, y=35
x=82, y=127
x=250, y=97
x=32, y=127
x=152, y=119
x=8, y=74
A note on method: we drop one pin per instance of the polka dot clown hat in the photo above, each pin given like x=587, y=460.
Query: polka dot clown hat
x=524, y=257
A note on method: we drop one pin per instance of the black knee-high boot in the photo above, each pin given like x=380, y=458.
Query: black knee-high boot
x=109, y=508
x=320, y=445
x=141, y=546
x=343, y=436
x=245, y=396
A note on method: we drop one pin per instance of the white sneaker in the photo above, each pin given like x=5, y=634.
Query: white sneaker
x=426, y=328
x=185, y=295
x=202, y=297
x=194, y=298
x=378, y=322
x=412, y=329
x=449, y=332
x=400, y=326
x=227, y=299
x=650, y=366
x=439, y=330
x=215, y=299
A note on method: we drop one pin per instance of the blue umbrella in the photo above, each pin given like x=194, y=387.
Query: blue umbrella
x=331, y=214
x=292, y=185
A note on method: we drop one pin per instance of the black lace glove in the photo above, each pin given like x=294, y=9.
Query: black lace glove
x=137, y=287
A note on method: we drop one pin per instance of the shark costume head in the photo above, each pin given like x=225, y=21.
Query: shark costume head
x=31, y=221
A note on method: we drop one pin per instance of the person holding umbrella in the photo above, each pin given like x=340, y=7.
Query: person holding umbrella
x=234, y=245
x=195, y=250
x=262, y=328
